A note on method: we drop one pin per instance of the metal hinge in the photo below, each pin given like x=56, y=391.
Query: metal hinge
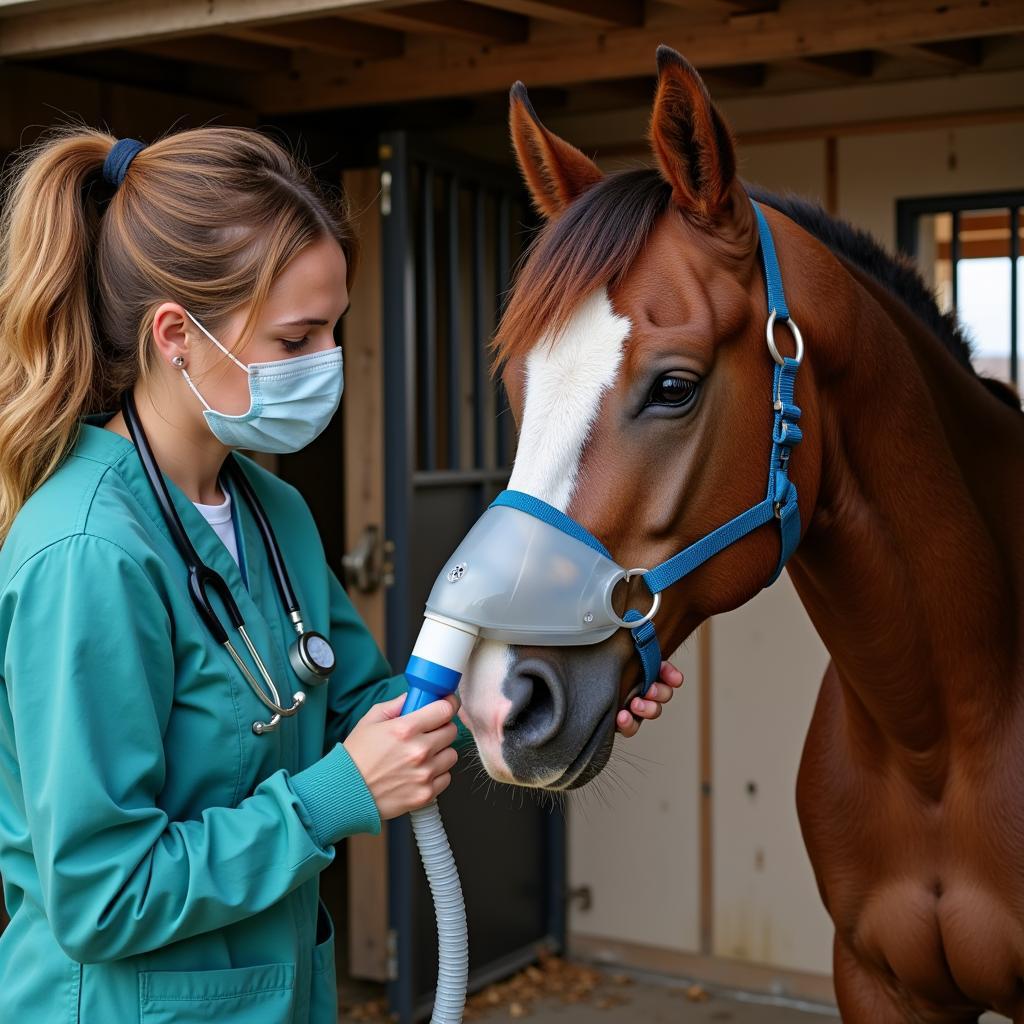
x=385, y=193
x=369, y=565
x=582, y=896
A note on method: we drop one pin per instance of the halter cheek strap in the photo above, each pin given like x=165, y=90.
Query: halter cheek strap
x=780, y=501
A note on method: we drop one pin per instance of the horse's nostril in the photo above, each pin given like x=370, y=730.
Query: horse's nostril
x=538, y=703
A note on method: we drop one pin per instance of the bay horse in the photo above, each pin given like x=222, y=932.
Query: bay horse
x=633, y=352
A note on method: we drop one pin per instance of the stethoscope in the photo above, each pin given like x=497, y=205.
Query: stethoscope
x=311, y=655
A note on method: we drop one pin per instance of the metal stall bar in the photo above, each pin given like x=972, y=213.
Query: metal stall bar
x=399, y=466
x=454, y=330
x=426, y=322
x=501, y=284
x=479, y=323
x=1014, y=296
x=954, y=254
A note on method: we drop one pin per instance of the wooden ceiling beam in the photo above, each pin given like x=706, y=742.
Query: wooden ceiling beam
x=953, y=54
x=742, y=76
x=8, y=8
x=106, y=24
x=136, y=69
x=843, y=129
x=732, y=6
x=842, y=67
x=330, y=36
x=450, y=18
x=589, y=13
x=750, y=6
x=222, y=52
x=565, y=59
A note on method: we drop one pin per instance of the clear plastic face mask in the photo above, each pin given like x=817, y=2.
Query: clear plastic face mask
x=521, y=580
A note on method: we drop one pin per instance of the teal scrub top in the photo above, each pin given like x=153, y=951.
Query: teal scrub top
x=160, y=861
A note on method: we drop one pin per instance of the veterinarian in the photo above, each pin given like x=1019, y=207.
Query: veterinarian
x=192, y=715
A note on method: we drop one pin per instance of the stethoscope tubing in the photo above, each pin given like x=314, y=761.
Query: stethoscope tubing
x=201, y=576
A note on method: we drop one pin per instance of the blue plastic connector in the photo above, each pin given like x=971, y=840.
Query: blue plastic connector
x=428, y=682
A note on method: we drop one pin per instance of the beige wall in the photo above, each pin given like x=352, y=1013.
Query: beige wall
x=766, y=664
x=766, y=661
x=634, y=841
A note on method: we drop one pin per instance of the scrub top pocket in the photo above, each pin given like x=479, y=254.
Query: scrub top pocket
x=257, y=995
x=323, y=994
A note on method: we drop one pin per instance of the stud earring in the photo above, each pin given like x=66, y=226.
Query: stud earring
x=178, y=361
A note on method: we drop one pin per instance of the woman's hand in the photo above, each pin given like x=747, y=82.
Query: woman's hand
x=405, y=761
x=660, y=693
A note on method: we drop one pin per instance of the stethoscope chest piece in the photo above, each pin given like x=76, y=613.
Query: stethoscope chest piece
x=312, y=658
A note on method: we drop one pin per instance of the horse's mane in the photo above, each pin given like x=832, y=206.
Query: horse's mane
x=896, y=272
x=600, y=235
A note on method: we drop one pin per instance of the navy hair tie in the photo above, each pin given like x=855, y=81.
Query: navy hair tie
x=121, y=154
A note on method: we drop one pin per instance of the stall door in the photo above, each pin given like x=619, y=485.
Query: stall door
x=451, y=230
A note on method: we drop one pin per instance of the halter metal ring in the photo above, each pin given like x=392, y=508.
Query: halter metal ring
x=797, y=337
x=627, y=575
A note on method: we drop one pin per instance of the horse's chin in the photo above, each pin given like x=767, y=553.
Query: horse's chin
x=590, y=763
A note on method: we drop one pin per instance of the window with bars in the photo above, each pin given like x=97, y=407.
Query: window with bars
x=969, y=250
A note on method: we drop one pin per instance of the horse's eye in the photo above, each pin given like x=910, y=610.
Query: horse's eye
x=672, y=390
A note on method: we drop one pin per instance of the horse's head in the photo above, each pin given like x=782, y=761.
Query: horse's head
x=633, y=352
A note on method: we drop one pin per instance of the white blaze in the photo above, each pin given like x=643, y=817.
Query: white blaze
x=566, y=377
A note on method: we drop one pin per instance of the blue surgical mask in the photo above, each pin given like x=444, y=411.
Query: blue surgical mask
x=291, y=401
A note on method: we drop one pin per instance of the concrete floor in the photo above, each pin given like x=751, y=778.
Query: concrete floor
x=649, y=1004
x=642, y=1001
x=645, y=1000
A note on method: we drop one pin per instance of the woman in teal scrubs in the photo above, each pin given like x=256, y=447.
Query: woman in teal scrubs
x=160, y=856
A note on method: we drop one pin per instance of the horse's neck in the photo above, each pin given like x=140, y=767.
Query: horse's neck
x=911, y=564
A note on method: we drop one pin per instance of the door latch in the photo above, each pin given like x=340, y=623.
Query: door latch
x=369, y=565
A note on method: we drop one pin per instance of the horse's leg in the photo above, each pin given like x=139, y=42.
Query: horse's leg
x=865, y=997
x=862, y=997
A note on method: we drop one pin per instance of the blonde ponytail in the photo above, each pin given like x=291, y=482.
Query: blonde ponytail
x=47, y=353
x=207, y=217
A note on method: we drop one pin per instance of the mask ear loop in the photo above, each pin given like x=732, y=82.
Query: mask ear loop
x=179, y=362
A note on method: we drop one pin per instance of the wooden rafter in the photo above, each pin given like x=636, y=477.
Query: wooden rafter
x=9, y=8
x=739, y=76
x=222, y=52
x=106, y=24
x=330, y=36
x=954, y=54
x=592, y=13
x=733, y=6
x=818, y=31
x=841, y=129
x=843, y=67
x=750, y=6
x=450, y=18
x=136, y=69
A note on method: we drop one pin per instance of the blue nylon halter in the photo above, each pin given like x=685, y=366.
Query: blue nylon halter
x=780, y=501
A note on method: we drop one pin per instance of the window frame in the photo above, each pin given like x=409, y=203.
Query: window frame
x=910, y=211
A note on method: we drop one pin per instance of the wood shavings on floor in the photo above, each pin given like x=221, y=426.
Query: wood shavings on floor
x=551, y=979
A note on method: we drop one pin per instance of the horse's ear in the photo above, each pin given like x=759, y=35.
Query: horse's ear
x=690, y=138
x=555, y=172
